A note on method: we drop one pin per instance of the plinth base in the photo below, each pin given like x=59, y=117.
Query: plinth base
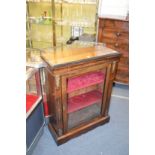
x=77, y=131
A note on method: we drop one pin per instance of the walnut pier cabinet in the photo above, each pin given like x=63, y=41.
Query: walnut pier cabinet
x=79, y=83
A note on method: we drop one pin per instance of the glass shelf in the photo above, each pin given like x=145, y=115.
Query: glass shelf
x=84, y=97
x=75, y=23
x=45, y=23
x=40, y=20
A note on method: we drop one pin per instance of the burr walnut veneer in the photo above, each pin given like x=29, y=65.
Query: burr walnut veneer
x=79, y=83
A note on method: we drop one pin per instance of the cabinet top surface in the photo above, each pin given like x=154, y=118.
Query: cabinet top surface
x=67, y=55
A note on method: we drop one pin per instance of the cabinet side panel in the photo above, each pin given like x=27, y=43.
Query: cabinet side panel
x=54, y=103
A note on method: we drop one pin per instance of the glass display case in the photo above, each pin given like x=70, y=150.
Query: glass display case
x=39, y=24
x=56, y=22
x=84, y=96
x=34, y=109
x=33, y=89
x=33, y=59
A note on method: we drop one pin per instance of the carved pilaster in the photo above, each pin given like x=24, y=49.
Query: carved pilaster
x=58, y=103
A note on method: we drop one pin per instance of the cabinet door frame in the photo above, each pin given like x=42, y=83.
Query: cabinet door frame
x=106, y=66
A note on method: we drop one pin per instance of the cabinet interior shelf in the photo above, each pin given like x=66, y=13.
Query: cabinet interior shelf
x=83, y=100
x=85, y=80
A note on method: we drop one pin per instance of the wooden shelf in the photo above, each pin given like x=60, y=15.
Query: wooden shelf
x=85, y=80
x=81, y=101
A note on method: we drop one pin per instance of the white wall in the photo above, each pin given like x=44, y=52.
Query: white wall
x=113, y=8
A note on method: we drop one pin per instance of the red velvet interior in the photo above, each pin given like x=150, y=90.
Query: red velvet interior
x=84, y=81
x=30, y=100
x=78, y=102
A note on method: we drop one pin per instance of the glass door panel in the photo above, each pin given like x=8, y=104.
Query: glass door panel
x=84, y=97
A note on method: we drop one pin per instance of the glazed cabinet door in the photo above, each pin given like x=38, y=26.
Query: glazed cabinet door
x=84, y=95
